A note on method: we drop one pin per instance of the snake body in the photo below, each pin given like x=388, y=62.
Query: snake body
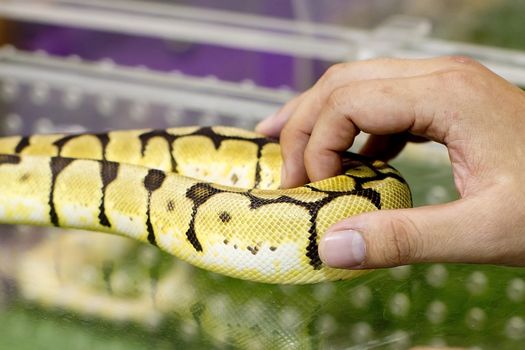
x=208, y=195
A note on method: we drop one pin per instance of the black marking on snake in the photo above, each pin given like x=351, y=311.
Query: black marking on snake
x=170, y=206
x=108, y=170
x=23, y=143
x=108, y=174
x=254, y=250
x=234, y=178
x=215, y=138
x=103, y=138
x=169, y=138
x=57, y=165
x=199, y=194
x=360, y=181
x=354, y=160
x=9, y=159
x=152, y=182
x=24, y=177
x=61, y=142
x=202, y=192
x=258, y=166
x=225, y=217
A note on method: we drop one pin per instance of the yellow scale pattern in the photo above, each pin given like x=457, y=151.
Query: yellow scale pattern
x=206, y=195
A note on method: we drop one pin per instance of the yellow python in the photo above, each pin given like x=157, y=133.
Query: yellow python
x=208, y=195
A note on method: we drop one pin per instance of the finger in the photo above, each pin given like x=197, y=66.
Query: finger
x=340, y=74
x=453, y=232
x=272, y=125
x=378, y=107
x=293, y=140
x=297, y=130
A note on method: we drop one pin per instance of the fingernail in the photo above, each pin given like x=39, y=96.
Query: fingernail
x=342, y=249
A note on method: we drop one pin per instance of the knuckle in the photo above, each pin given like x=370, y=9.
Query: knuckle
x=402, y=242
x=338, y=101
x=458, y=77
x=463, y=70
x=334, y=71
x=384, y=60
x=464, y=60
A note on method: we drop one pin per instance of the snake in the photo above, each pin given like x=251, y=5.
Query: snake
x=210, y=196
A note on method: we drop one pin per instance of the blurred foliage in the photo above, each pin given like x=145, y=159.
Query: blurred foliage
x=500, y=25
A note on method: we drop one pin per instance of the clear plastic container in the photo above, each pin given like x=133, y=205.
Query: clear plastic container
x=70, y=289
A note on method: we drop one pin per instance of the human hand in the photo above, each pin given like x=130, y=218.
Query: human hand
x=479, y=116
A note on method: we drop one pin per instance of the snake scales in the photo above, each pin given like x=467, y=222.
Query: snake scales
x=208, y=195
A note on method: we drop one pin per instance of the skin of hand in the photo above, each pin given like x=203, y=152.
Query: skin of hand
x=456, y=101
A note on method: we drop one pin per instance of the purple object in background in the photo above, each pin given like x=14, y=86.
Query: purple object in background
x=265, y=69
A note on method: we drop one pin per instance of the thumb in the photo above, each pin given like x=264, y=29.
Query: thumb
x=452, y=232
